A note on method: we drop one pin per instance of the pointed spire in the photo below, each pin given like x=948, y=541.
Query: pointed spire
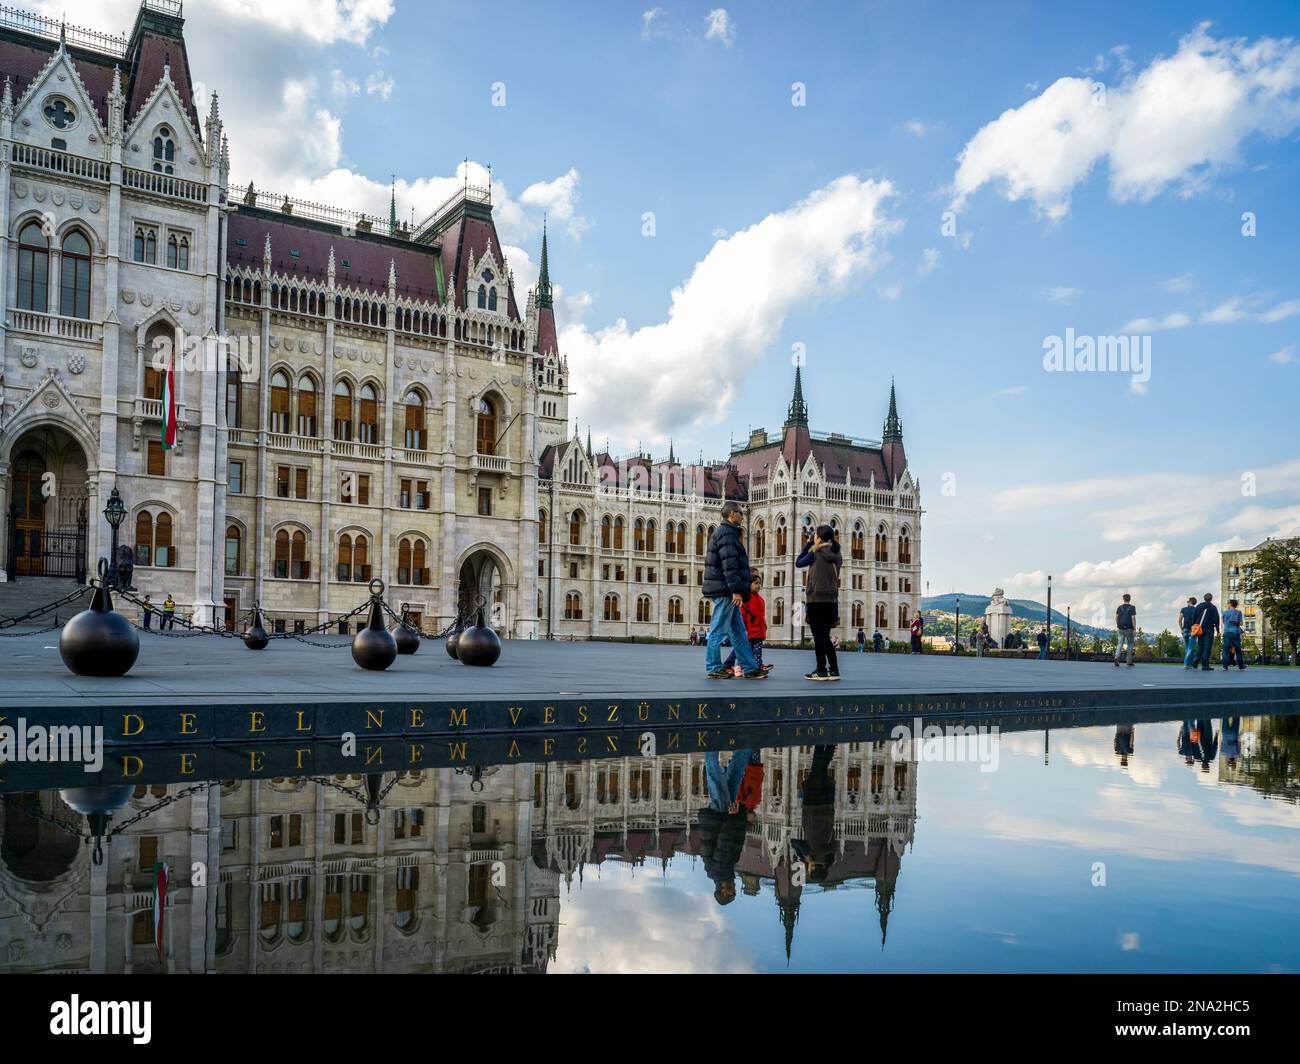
x=331, y=266
x=798, y=414
x=392, y=274
x=893, y=426
x=544, y=275
x=589, y=440
x=671, y=458
x=63, y=36
x=266, y=254
x=392, y=207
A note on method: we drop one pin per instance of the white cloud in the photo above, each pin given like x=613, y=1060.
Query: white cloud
x=380, y=84
x=1172, y=124
x=1282, y=311
x=686, y=370
x=1178, y=285
x=653, y=25
x=1061, y=294
x=919, y=129
x=559, y=198
x=1225, y=313
x=1150, y=325
x=930, y=259
x=1284, y=356
x=720, y=27
x=1007, y=393
x=890, y=292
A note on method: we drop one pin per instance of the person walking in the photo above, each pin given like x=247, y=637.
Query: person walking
x=727, y=580
x=1186, y=616
x=1042, y=644
x=981, y=639
x=1125, y=629
x=918, y=628
x=1232, y=620
x=862, y=641
x=754, y=613
x=877, y=641
x=146, y=613
x=822, y=559
x=723, y=823
x=1205, y=623
x=168, y=613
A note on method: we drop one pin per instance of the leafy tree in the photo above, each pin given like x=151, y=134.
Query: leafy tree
x=1274, y=581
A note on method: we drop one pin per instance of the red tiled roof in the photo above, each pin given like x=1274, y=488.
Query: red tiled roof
x=547, y=344
x=152, y=53
x=21, y=61
x=468, y=237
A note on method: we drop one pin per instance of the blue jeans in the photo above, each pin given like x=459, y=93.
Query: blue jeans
x=1205, y=647
x=1042, y=652
x=1191, y=649
x=728, y=624
x=724, y=784
x=1231, y=643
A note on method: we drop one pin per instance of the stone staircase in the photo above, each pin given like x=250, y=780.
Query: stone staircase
x=29, y=592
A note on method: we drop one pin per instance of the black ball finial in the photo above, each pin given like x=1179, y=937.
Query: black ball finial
x=479, y=645
x=99, y=641
x=374, y=647
x=256, y=638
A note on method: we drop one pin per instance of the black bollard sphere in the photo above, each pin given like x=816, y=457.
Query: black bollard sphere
x=374, y=647
x=256, y=638
x=479, y=645
x=408, y=639
x=452, y=640
x=99, y=642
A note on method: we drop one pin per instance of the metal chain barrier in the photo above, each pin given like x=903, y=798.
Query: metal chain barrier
x=10, y=622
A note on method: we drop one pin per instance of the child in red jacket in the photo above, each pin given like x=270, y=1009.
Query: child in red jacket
x=754, y=613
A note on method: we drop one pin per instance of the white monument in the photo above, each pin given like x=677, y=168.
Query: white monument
x=997, y=615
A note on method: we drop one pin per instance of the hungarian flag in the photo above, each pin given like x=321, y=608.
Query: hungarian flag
x=169, y=407
x=159, y=904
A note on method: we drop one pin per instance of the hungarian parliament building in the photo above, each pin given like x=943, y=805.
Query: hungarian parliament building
x=355, y=397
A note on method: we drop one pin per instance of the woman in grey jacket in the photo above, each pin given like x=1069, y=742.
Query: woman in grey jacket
x=822, y=559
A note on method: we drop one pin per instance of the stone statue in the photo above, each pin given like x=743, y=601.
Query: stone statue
x=997, y=615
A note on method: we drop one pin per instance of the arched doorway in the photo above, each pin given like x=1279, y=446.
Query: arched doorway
x=46, y=522
x=482, y=580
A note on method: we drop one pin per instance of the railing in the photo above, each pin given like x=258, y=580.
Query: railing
x=241, y=437
x=350, y=449
x=350, y=222
x=59, y=162
x=466, y=194
x=405, y=454
x=283, y=441
x=76, y=36
x=34, y=321
x=164, y=185
x=490, y=463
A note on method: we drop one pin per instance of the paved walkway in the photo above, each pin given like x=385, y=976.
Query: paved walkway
x=208, y=669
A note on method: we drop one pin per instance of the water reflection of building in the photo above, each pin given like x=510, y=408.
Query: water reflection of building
x=636, y=811
x=300, y=875
x=1262, y=753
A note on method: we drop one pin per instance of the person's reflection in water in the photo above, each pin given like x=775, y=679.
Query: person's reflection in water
x=1230, y=739
x=1188, y=739
x=1124, y=743
x=734, y=793
x=1207, y=743
x=817, y=846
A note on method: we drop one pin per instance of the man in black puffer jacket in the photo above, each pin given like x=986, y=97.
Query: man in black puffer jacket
x=726, y=581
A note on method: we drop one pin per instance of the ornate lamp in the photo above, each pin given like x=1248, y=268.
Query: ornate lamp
x=114, y=514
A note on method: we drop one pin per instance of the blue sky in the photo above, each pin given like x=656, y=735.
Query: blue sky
x=1098, y=160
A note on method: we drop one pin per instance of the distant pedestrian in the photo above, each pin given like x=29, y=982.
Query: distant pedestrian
x=1232, y=620
x=727, y=580
x=1124, y=743
x=862, y=641
x=168, y=613
x=982, y=640
x=877, y=641
x=146, y=613
x=1125, y=628
x=754, y=613
x=1205, y=624
x=1042, y=644
x=918, y=628
x=822, y=559
x=1186, y=616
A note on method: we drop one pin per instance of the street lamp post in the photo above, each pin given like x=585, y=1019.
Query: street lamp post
x=1049, y=615
x=1067, y=631
x=115, y=514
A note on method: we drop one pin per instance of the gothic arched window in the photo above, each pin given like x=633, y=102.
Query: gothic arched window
x=33, y=269
x=164, y=151
x=74, y=297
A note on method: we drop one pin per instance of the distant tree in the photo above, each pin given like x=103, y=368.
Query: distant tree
x=1168, y=645
x=1274, y=581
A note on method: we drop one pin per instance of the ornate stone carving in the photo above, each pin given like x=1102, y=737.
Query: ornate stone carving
x=29, y=358
x=77, y=365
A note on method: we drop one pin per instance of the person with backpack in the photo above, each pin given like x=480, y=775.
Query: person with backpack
x=1205, y=623
x=918, y=628
x=1042, y=644
x=727, y=581
x=822, y=558
x=1125, y=629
